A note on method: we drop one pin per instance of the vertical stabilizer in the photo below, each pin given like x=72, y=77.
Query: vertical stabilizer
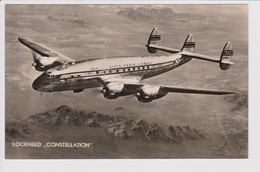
x=225, y=57
x=189, y=44
x=154, y=39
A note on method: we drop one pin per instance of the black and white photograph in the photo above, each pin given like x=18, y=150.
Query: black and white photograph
x=126, y=81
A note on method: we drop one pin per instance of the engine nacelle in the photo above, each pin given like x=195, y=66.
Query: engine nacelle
x=148, y=93
x=45, y=63
x=112, y=90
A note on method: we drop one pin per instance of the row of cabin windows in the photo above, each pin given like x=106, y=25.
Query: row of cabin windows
x=134, y=68
x=113, y=71
x=118, y=70
x=122, y=70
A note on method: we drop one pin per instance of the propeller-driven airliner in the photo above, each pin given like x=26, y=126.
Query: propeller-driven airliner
x=120, y=76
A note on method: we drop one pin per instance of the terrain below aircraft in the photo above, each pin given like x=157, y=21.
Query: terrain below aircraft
x=119, y=76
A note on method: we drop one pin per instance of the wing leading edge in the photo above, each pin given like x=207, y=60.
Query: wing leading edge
x=147, y=93
x=194, y=91
x=43, y=50
x=167, y=89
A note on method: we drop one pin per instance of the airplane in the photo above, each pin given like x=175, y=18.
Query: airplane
x=120, y=76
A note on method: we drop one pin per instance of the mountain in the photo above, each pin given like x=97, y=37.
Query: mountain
x=117, y=134
x=116, y=126
x=144, y=13
x=17, y=130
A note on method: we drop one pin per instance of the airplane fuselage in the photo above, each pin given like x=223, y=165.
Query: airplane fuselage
x=80, y=75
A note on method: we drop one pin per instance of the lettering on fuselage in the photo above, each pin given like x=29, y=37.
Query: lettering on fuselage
x=124, y=65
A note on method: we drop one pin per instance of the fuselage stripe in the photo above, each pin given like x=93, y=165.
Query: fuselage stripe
x=129, y=69
x=126, y=67
x=126, y=71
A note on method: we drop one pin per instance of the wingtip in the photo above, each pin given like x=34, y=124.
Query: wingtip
x=231, y=92
x=21, y=39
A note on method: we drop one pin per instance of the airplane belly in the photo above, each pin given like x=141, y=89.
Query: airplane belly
x=75, y=84
x=154, y=72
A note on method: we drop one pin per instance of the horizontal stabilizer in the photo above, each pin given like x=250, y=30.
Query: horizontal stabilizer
x=225, y=57
x=165, y=49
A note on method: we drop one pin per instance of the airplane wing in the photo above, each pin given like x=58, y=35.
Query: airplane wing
x=120, y=86
x=132, y=83
x=167, y=89
x=43, y=50
x=194, y=91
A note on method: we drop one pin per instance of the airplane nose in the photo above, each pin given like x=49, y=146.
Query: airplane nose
x=39, y=82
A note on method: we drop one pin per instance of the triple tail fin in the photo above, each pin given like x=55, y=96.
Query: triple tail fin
x=189, y=44
x=188, y=50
